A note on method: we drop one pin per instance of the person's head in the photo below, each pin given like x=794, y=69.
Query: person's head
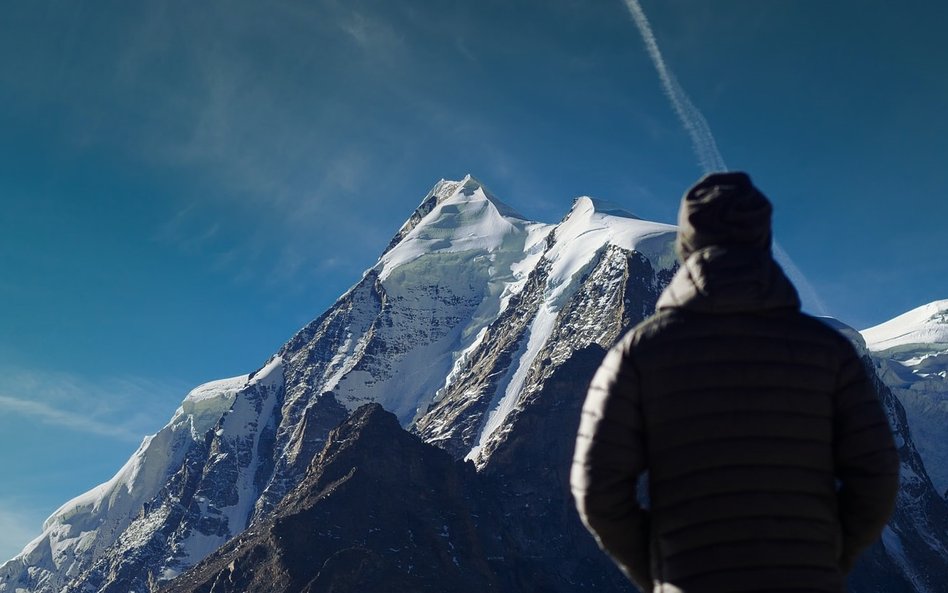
x=723, y=209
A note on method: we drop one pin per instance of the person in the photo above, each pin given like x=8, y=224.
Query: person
x=770, y=461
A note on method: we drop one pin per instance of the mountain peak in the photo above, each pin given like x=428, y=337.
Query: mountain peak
x=592, y=224
x=588, y=205
x=925, y=325
x=470, y=187
x=456, y=216
x=466, y=192
x=469, y=183
x=445, y=188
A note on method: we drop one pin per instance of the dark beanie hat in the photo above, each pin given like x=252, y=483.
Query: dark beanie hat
x=723, y=209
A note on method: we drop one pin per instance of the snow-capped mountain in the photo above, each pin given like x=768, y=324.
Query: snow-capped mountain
x=911, y=353
x=479, y=330
x=401, y=337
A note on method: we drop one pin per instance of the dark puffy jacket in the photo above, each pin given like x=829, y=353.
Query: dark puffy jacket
x=770, y=461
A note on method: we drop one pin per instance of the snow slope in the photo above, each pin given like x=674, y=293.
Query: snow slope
x=917, y=329
x=88, y=526
x=449, y=276
x=590, y=226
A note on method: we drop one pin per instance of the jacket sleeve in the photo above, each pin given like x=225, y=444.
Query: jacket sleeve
x=867, y=463
x=608, y=459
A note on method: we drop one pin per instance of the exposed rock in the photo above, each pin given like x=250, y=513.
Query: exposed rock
x=378, y=510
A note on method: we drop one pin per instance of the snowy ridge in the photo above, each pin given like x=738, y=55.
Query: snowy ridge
x=441, y=190
x=206, y=404
x=924, y=326
x=491, y=377
x=590, y=226
x=455, y=216
x=89, y=525
x=453, y=269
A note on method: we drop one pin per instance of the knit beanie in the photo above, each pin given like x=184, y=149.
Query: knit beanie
x=723, y=209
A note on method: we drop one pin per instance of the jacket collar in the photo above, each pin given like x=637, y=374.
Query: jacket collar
x=729, y=280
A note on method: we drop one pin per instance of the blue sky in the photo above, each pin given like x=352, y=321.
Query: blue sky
x=183, y=185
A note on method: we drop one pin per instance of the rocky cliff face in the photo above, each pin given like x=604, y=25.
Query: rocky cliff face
x=479, y=330
x=378, y=510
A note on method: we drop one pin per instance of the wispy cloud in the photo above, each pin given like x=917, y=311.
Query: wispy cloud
x=262, y=113
x=19, y=524
x=121, y=408
x=703, y=142
x=77, y=421
x=48, y=409
x=375, y=36
x=272, y=120
x=811, y=299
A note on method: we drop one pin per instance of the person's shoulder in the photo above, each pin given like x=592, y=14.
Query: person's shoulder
x=656, y=326
x=845, y=338
x=673, y=325
x=832, y=336
x=825, y=328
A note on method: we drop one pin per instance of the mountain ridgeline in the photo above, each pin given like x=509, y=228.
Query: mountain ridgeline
x=417, y=436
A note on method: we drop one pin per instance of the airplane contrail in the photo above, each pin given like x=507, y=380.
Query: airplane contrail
x=706, y=149
x=808, y=295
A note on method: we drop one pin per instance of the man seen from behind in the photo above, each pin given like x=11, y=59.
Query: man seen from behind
x=770, y=460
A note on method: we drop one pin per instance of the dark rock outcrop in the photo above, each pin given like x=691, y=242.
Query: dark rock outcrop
x=378, y=510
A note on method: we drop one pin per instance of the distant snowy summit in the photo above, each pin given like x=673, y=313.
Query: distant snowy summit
x=920, y=331
x=912, y=358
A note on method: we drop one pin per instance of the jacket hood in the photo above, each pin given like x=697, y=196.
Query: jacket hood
x=729, y=280
x=724, y=240
x=723, y=209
